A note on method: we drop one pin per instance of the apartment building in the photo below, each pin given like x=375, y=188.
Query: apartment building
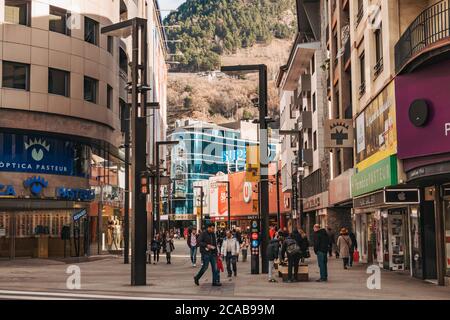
x=63, y=102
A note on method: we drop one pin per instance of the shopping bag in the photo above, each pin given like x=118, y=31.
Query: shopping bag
x=220, y=264
x=355, y=256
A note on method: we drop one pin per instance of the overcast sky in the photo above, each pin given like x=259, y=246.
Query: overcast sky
x=169, y=5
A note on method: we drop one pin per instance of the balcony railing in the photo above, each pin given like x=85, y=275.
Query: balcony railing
x=312, y=184
x=431, y=26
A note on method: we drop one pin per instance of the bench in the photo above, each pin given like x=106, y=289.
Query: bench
x=302, y=276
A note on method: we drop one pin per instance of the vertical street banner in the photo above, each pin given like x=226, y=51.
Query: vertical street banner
x=252, y=164
x=223, y=199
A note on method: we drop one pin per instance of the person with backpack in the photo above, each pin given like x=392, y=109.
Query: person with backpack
x=344, y=243
x=292, y=248
x=272, y=254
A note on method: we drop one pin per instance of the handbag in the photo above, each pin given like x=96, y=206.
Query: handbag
x=220, y=264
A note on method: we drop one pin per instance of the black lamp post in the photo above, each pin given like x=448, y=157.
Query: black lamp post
x=264, y=145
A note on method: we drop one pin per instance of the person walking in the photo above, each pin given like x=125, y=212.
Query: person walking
x=208, y=248
x=344, y=243
x=292, y=248
x=156, y=248
x=332, y=242
x=192, y=242
x=168, y=247
x=230, y=251
x=272, y=254
x=353, y=248
x=244, y=247
x=321, y=246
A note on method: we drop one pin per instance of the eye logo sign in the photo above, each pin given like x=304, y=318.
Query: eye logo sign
x=37, y=146
x=36, y=185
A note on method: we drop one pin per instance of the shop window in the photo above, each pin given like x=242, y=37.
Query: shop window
x=90, y=89
x=16, y=75
x=58, y=20
x=59, y=82
x=18, y=12
x=91, y=31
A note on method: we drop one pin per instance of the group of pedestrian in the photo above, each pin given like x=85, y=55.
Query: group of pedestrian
x=164, y=242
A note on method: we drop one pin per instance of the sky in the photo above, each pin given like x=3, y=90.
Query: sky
x=169, y=5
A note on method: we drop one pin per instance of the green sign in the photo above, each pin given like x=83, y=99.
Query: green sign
x=380, y=175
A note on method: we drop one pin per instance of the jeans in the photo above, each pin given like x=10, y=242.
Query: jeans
x=293, y=265
x=209, y=259
x=231, y=261
x=193, y=255
x=271, y=267
x=322, y=260
x=156, y=256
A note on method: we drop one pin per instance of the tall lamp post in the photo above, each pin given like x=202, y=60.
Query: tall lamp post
x=137, y=29
x=228, y=201
x=264, y=145
x=157, y=191
x=202, y=194
x=299, y=173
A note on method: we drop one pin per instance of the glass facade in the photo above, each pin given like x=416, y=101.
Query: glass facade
x=203, y=152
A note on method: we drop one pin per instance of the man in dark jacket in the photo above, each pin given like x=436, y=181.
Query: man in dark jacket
x=353, y=247
x=292, y=248
x=272, y=254
x=208, y=248
x=321, y=245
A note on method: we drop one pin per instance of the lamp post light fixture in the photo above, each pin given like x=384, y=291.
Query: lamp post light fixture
x=261, y=69
x=137, y=29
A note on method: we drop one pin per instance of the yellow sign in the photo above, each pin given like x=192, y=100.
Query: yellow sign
x=199, y=211
x=252, y=166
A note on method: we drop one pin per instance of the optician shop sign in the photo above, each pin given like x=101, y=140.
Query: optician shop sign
x=38, y=154
x=380, y=175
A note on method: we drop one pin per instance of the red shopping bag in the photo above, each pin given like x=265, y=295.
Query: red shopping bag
x=355, y=256
x=220, y=264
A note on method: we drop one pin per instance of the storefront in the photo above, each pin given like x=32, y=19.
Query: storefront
x=46, y=196
x=315, y=210
x=423, y=145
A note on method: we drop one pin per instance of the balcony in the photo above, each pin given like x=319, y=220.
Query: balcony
x=307, y=156
x=305, y=120
x=425, y=33
x=304, y=84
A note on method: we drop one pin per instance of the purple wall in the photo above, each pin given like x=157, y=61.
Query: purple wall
x=433, y=85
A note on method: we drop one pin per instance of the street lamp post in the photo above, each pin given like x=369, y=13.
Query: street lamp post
x=137, y=27
x=157, y=188
x=264, y=161
x=201, y=205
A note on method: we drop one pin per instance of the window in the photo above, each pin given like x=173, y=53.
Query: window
x=315, y=140
x=378, y=51
x=314, y=102
x=90, y=89
x=91, y=31
x=123, y=61
x=313, y=64
x=109, y=96
x=59, y=82
x=16, y=75
x=17, y=12
x=362, y=73
x=58, y=20
x=110, y=44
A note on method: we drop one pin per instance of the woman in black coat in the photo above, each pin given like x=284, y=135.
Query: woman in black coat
x=304, y=246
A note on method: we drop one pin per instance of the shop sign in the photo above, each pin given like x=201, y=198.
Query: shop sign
x=428, y=171
x=7, y=191
x=248, y=191
x=78, y=215
x=316, y=202
x=376, y=132
x=371, y=200
x=182, y=217
x=38, y=154
x=75, y=194
x=338, y=133
x=403, y=196
x=380, y=175
x=36, y=185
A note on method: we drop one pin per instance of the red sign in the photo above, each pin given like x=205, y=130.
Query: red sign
x=255, y=236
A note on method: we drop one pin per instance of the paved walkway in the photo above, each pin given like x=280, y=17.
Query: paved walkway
x=109, y=278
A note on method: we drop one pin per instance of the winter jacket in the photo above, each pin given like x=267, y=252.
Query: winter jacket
x=273, y=250
x=285, y=245
x=321, y=241
x=344, y=243
x=234, y=246
x=205, y=239
x=189, y=240
x=168, y=245
x=155, y=245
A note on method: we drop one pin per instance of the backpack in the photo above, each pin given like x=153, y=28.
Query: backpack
x=292, y=247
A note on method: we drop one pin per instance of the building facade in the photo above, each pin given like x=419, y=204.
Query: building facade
x=63, y=99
